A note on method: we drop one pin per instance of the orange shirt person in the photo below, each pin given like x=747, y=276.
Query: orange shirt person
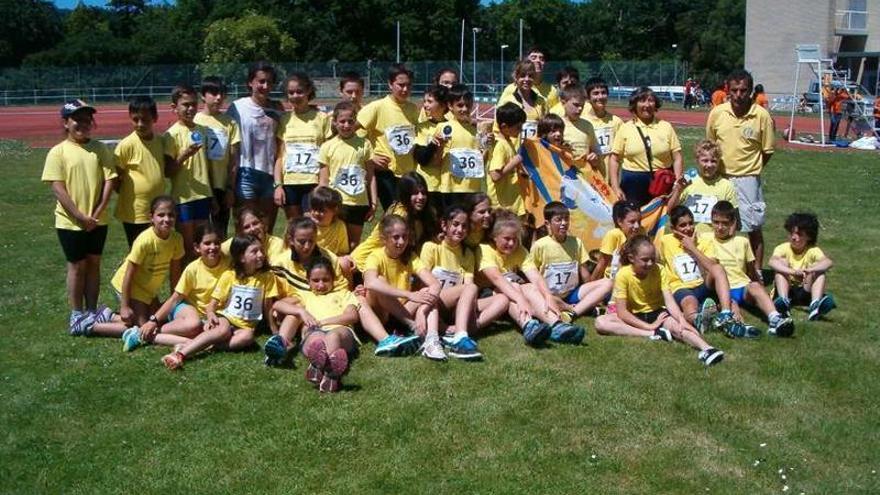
x=719, y=96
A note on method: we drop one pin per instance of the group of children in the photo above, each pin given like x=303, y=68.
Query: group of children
x=455, y=251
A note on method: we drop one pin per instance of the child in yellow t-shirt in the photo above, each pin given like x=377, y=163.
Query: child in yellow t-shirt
x=351, y=89
x=453, y=264
x=81, y=173
x=222, y=146
x=241, y=299
x=627, y=219
x=431, y=134
x=578, y=136
x=323, y=209
x=190, y=171
x=250, y=222
x=346, y=167
x=735, y=255
x=300, y=135
x=605, y=124
x=801, y=268
x=388, y=279
x=325, y=317
x=557, y=266
x=505, y=163
x=155, y=254
x=645, y=305
x=179, y=319
x=708, y=188
x=479, y=210
x=140, y=161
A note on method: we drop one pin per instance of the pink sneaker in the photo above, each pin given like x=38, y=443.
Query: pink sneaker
x=329, y=384
x=316, y=353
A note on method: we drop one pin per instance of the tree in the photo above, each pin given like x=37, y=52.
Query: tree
x=28, y=26
x=251, y=37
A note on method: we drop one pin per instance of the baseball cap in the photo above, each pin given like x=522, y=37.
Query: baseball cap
x=73, y=106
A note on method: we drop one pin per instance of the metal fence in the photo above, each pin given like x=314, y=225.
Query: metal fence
x=52, y=85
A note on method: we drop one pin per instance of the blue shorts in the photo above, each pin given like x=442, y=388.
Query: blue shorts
x=738, y=295
x=700, y=292
x=573, y=297
x=194, y=211
x=253, y=184
x=298, y=195
x=181, y=305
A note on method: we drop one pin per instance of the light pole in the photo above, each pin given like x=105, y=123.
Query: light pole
x=475, y=30
x=674, y=64
x=502, y=64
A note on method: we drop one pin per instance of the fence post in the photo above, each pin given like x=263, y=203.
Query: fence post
x=35, y=97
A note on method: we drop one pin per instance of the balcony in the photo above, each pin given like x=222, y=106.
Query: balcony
x=851, y=22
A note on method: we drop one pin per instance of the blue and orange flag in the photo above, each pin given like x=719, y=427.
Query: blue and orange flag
x=554, y=176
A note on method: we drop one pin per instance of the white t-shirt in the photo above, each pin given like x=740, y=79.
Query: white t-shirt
x=257, y=125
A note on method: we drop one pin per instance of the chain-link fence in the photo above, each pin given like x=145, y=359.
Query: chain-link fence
x=52, y=85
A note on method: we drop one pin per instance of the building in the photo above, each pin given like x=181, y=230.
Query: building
x=847, y=31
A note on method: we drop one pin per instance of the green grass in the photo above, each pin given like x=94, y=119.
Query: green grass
x=614, y=416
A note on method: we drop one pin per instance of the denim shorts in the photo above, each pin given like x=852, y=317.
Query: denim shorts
x=700, y=293
x=194, y=211
x=253, y=184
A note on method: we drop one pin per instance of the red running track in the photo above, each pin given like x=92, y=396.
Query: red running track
x=40, y=126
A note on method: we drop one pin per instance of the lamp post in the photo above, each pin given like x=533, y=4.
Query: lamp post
x=475, y=30
x=502, y=64
x=674, y=64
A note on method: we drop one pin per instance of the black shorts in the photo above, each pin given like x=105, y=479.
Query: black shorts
x=78, y=244
x=298, y=195
x=353, y=214
x=132, y=230
x=649, y=317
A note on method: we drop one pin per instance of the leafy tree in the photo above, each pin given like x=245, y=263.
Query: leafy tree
x=28, y=26
x=251, y=37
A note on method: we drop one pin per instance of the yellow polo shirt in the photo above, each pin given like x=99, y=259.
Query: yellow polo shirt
x=743, y=140
x=628, y=145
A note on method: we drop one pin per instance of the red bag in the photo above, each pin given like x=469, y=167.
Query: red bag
x=662, y=179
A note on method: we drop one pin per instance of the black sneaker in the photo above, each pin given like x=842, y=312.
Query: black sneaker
x=711, y=356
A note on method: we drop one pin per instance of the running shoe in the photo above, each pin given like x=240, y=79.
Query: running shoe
x=661, y=334
x=781, y=326
x=276, y=350
x=314, y=375
x=739, y=330
x=432, y=349
x=328, y=384
x=103, y=314
x=337, y=364
x=536, y=332
x=704, y=318
x=723, y=319
x=710, y=356
x=316, y=353
x=465, y=348
x=566, y=333
x=82, y=326
x=131, y=339
x=821, y=307
x=783, y=305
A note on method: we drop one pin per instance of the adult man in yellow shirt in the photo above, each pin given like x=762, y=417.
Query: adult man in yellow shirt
x=745, y=133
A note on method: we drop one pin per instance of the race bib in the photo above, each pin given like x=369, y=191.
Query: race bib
x=350, y=179
x=561, y=278
x=447, y=278
x=217, y=143
x=245, y=303
x=604, y=136
x=686, y=268
x=702, y=208
x=401, y=138
x=301, y=158
x=529, y=129
x=467, y=163
x=513, y=278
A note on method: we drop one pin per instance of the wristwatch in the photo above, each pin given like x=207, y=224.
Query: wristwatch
x=153, y=318
x=276, y=185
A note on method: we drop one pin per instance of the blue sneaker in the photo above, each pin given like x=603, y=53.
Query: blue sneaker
x=781, y=326
x=536, y=332
x=82, y=326
x=739, y=330
x=275, y=350
x=465, y=348
x=131, y=339
x=707, y=313
x=395, y=345
x=783, y=305
x=821, y=307
x=566, y=333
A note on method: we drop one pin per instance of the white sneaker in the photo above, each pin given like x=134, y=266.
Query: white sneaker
x=710, y=356
x=661, y=335
x=432, y=349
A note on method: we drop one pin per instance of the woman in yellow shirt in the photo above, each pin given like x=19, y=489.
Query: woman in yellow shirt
x=525, y=97
x=645, y=306
x=300, y=135
x=641, y=146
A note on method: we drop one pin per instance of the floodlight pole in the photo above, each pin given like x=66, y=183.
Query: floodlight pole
x=474, y=82
x=398, y=42
x=461, y=53
x=502, y=65
x=520, y=38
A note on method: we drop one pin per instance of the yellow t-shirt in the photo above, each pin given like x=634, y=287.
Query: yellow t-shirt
x=141, y=166
x=558, y=263
x=432, y=172
x=153, y=256
x=329, y=305
x=334, y=237
x=580, y=136
x=733, y=254
x=198, y=280
x=391, y=128
x=302, y=135
x=605, y=129
x=642, y=295
x=396, y=272
x=450, y=265
x=222, y=134
x=533, y=114
x=743, y=141
x=682, y=268
x=547, y=91
x=346, y=161
x=83, y=168
x=506, y=192
x=808, y=258
x=463, y=170
x=272, y=246
x=374, y=242
x=628, y=145
x=292, y=274
x=192, y=181
x=612, y=241
x=700, y=196
x=509, y=265
x=241, y=300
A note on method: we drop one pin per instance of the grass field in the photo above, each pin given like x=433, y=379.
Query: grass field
x=612, y=416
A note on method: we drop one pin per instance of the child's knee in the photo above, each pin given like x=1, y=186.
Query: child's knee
x=603, y=323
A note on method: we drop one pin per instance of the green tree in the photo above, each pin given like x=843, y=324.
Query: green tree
x=28, y=26
x=251, y=37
